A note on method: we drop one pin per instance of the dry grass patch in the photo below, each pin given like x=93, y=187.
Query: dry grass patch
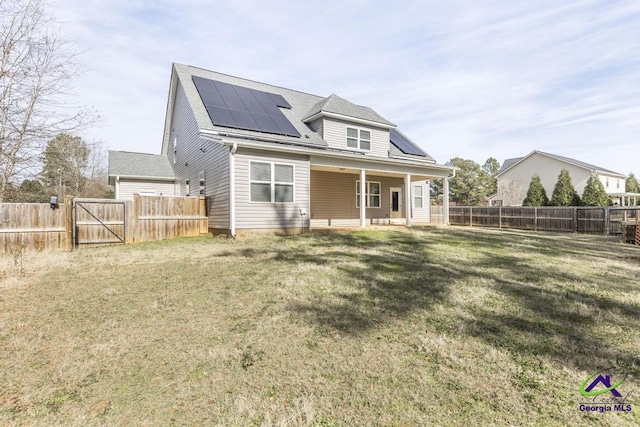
x=429, y=327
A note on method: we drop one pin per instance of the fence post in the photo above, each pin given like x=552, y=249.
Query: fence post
x=470, y=216
x=68, y=223
x=202, y=211
x=499, y=216
x=575, y=219
x=535, y=218
x=137, y=211
x=607, y=220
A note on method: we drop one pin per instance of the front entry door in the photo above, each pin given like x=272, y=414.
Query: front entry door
x=395, y=203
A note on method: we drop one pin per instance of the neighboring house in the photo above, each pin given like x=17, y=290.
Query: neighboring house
x=515, y=175
x=140, y=173
x=267, y=157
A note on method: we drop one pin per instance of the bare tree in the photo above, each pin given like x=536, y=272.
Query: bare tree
x=36, y=69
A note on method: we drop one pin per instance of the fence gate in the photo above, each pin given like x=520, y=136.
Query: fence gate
x=98, y=222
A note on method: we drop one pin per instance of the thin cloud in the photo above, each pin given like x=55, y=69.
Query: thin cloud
x=470, y=79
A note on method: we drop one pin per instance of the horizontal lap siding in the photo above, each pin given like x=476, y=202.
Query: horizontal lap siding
x=128, y=187
x=196, y=155
x=420, y=215
x=333, y=196
x=335, y=133
x=271, y=215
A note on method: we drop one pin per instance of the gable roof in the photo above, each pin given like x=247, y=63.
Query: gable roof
x=139, y=165
x=300, y=103
x=303, y=107
x=509, y=163
x=337, y=105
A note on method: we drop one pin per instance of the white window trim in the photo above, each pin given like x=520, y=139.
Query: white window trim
x=273, y=182
x=359, y=139
x=416, y=197
x=368, y=194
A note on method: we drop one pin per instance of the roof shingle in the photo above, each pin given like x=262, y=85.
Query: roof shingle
x=126, y=163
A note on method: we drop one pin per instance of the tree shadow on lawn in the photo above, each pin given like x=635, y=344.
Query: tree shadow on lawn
x=390, y=275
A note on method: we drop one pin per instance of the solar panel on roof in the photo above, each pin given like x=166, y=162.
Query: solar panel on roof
x=284, y=125
x=243, y=108
x=265, y=123
x=222, y=114
x=405, y=145
x=279, y=100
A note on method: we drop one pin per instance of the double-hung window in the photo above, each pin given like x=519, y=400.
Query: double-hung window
x=417, y=196
x=271, y=182
x=373, y=194
x=359, y=139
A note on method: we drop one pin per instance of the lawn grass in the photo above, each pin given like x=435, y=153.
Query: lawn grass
x=385, y=327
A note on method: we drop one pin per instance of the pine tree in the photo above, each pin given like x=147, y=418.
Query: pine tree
x=65, y=162
x=564, y=193
x=632, y=185
x=536, y=195
x=594, y=193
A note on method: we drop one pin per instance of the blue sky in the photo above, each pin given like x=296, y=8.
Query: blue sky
x=470, y=79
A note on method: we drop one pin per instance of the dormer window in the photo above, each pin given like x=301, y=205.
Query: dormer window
x=359, y=139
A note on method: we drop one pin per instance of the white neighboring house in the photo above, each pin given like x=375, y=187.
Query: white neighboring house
x=515, y=176
x=140, y=173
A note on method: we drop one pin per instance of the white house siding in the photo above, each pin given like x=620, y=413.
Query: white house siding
x=128, y=187
x=514, y=183
x=333, y=199
x=612, y=184
x=195, y=155
x=420, y=215
x=253, y=216
x=335, y=133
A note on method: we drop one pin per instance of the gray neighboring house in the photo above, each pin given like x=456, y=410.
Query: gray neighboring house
x=140, y=173
x=271, y=158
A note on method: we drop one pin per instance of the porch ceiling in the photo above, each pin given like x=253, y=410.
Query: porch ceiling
x=376, y=172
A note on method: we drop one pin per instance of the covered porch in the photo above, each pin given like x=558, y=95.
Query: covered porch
x=625, y=199
x=343, y=196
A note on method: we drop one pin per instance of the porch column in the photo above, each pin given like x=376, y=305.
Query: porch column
x=363, y=198
x=445, y=199
x=407, y=199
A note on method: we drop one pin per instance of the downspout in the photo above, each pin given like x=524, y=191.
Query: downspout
x=117, y=187
x=232, y=190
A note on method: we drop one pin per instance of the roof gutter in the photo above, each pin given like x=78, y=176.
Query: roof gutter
x=349, y=118
x=150, y=178
x=316, y=152
x=211, y=134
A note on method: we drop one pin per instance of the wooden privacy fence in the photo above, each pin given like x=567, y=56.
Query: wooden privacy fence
x=31, y=226
x=79, y=223
x=594, y=220
x=437, y=215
